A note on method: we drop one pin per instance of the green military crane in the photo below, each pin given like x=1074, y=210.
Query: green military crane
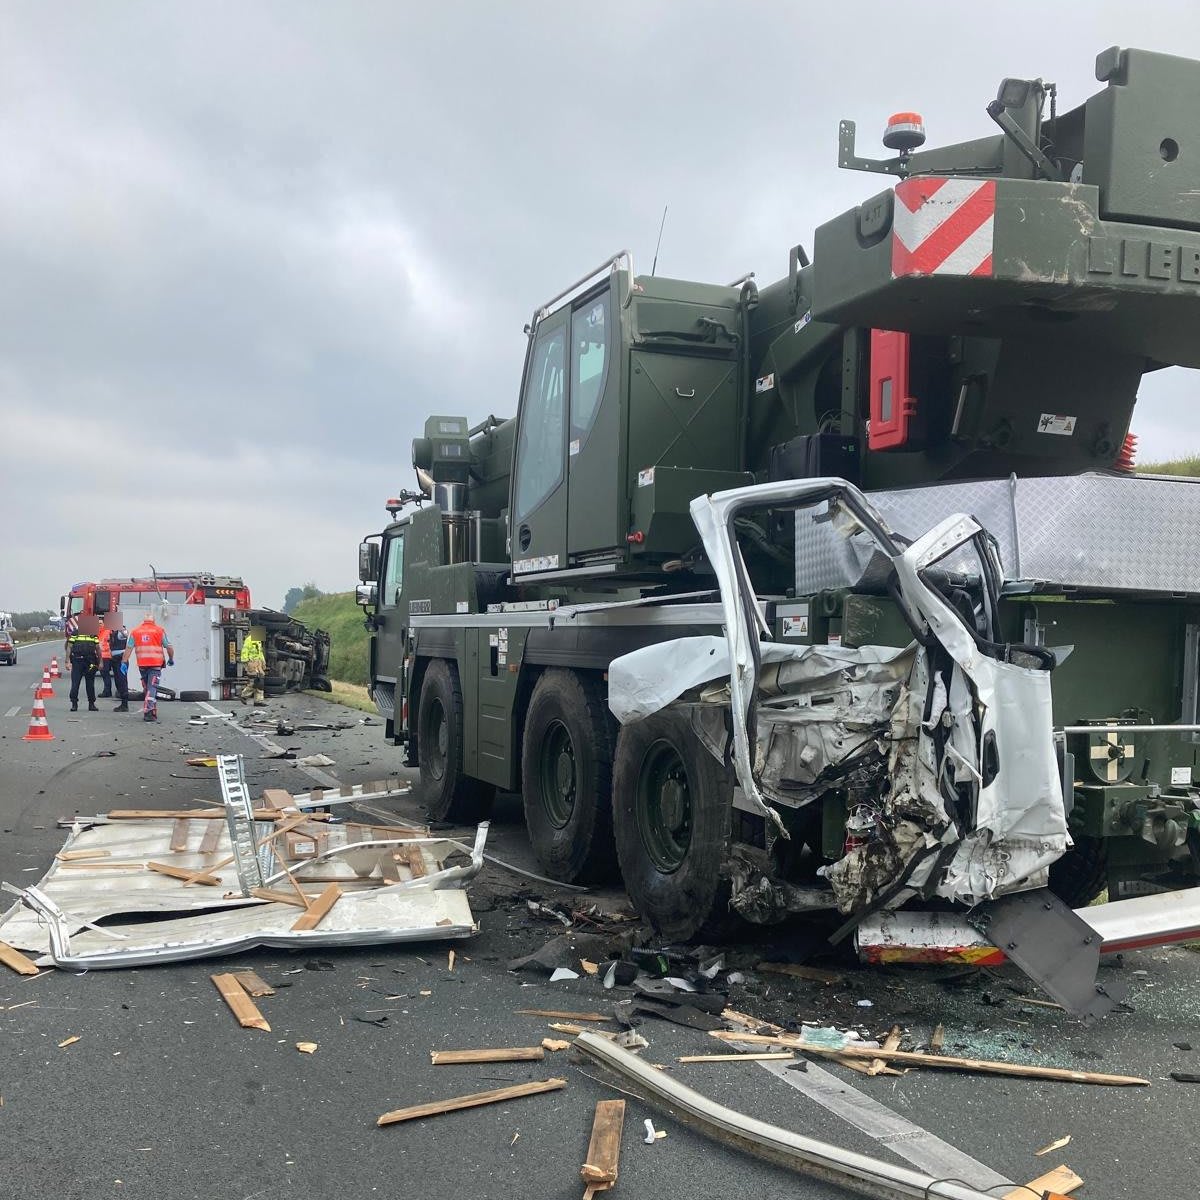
x=750, y=473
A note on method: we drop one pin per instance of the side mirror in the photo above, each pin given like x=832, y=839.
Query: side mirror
x=62, y=606
x=366, y=595
x=368, y=562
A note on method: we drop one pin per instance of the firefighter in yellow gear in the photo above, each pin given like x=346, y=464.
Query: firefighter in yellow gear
x=254, y=670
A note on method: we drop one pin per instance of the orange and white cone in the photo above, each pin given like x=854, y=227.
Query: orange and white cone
x=45, y=689
x=39, y=728
x=55, y=673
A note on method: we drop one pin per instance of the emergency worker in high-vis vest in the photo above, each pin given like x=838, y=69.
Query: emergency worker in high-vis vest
x=154, y=651
x=254, y=668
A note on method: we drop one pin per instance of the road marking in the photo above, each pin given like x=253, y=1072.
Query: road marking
x=12, y=712
x=314, y=773
x=901, y=1136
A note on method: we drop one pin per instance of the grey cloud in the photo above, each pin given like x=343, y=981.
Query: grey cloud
x=264, y=241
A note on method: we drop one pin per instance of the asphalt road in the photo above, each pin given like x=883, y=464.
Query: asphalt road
x=164, y=1097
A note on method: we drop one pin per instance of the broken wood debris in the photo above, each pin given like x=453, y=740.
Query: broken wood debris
x=276, y=897
x=981, y=1065
x=254, y=984
x=447, y=1058
x=435, y=1108
x=550, y=1043
x=878, y=1066
x=307, y=1047
x=1057, y=1144
x=179, y=835
x=240, y=1004
x=936, y=1041
x=1061, y=1181
x=16, y=961
x=79, y=855
x=69, y=1041
x=599, y=1170
x=189, y=876
x=318, y=909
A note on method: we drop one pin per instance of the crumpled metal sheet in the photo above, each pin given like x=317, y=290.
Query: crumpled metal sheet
x=821, y=709
x=369, y=918
x=416, y=899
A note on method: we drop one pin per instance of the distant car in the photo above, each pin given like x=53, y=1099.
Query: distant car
x=8, y=648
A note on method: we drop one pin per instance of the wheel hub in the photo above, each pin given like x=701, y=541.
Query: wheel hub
x=557, y=775
x=663, y=806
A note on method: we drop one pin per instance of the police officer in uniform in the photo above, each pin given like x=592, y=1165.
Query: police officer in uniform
x=83, y=650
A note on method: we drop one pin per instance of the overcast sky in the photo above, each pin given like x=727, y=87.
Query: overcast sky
x=246, y=248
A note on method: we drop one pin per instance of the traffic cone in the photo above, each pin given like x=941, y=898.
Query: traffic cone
x=39, y=729
x=45, y=689
x=55, y=673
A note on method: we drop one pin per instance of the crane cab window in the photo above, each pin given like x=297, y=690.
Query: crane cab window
x=589, y=363
x=393, y=572
x=543, y=418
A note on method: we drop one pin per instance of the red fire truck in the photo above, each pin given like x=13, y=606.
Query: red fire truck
x=207, y=617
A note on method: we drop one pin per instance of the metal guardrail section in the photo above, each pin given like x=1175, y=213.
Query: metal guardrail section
x=239, y=815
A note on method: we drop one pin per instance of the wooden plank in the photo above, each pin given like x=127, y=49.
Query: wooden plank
x=750, y=1056
x=796, y=971
x=102, y=866
x=239, y=1003
x=496, y=1096
x=278, y=798
x=187, y=876
x=254, y=983
x=878, y=1066
x=1061, y=1180
x=211, y=838
x=318, y=908
x=599, y=1169
x=280, y=897
x=411, y=857
x=564, y=1016
x=179, y=835
x=79, y=855
x=912, y=1058
x=449, y=1058
x=12, y=958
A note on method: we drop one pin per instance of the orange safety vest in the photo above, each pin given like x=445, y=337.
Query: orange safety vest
x=147, y=643
x=105, y=651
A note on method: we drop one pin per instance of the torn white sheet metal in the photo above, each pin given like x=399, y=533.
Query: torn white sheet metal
x=361, y=859
x=946, y=753
x=646, y=680
x=938, y=937
x=1001, y=732
x=358, y=919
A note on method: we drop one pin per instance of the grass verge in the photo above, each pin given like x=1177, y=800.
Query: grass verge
x=1177, y=466
x=352, y=695
x=348, y=639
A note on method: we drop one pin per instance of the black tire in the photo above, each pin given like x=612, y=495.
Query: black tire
x=566, y=777
x=269, y=619
x=448, y=794
x=671, y=860
x=1082, y=873
x=322, y=685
